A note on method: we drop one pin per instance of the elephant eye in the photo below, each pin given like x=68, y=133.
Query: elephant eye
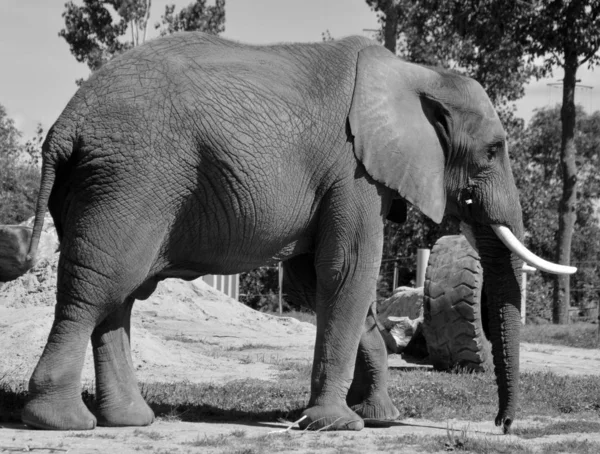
x=493, y=150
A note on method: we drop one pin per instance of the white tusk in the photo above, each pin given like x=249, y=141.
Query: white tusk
x=512, y=243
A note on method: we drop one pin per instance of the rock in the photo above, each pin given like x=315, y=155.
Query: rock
x=401, y=315
x=404, y=302
x=49, y=244
x=399, y=332
x=14, y=244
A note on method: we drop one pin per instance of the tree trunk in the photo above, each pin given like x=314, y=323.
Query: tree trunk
x=390, y=28
x=567, y=209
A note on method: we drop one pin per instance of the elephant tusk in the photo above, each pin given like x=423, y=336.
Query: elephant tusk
x=512, y=243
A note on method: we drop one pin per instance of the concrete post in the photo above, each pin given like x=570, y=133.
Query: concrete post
x=422, y=260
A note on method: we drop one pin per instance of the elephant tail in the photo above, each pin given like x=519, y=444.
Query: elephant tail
x=46, y=185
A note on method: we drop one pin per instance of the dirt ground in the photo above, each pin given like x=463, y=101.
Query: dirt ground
x=189, y=331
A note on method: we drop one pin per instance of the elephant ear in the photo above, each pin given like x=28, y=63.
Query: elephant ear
x=394, y=121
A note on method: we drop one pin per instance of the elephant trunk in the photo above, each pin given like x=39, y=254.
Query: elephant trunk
x=502, y=276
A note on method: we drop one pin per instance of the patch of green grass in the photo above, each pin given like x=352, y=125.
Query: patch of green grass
x=431, y=395
x=251, y=346
x=189, y=340
x=12, y=400
x=151, y=434
x=580, y=335
x=80, y=434
x=573, y=445
x=206, y=441
x=298, y=371
x=463, y=442
x=302, y=316
x=233, y=401
x=558, y=428
x=440, y=396
x=107, y=436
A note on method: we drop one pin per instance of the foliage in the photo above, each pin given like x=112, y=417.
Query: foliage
x=19, y=185
x=91, y=32
x=259, y=289
x=9, y=134
x=401, y=242
x=19, y=173
x=95, y=31
x=196, y=16
x=475, y=38
x=536, y=166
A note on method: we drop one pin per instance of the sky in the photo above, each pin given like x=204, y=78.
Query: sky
x=38, y=72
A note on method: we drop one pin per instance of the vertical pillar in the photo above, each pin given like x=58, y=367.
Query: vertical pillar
x=422, y=259
x=280, y=275
x=526, y=270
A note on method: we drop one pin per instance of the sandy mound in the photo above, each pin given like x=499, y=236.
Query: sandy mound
x=185, y=331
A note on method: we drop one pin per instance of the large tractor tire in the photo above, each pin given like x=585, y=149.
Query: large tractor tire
x=454, y=319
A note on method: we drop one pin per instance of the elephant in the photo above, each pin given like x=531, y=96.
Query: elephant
x=192, y=154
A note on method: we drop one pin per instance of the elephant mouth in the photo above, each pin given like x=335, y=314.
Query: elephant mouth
x=516, y=247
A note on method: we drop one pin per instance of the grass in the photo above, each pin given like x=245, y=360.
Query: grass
x=302, y=316
x=580, y=335
x=251, y=346
x=429, y=395
x=558, y=428
x=417, y=394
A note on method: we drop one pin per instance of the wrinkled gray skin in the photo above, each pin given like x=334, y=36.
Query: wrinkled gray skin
x=192, y=155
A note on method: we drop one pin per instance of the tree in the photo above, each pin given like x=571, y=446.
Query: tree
x=196, y=16
x=9, y=134
x=91, y=33
x=96, y=30
x=537, y=172
x=19, y=179
x=443, y=34
x=565, y=34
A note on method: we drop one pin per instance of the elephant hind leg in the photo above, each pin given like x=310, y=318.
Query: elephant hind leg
x=368, y=395
x=119, y=402
x=54, y=398
x=92, y=301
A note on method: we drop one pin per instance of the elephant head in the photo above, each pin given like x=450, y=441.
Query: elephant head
x=434, y=137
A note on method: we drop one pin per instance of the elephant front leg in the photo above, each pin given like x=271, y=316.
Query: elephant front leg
x=335, y=354
x=345, y=285
x=119, y=402
x=368, y=395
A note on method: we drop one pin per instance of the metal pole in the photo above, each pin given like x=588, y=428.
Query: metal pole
x=280, y=273
x=523, y=296
x=422, y=259
x=526, y=270
x=395, y=279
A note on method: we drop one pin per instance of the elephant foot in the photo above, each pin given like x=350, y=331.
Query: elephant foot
x=322, y=417
x=505, y=420
x=377, y=407
x=57, y=414
x=124, y=412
